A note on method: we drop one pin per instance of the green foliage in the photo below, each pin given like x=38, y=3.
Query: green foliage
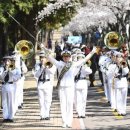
x=16, y=6
x=4, y=8
x=60, y=17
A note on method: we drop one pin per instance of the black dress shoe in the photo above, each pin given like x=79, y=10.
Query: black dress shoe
x=47, y=118
x=115, y=110
x=5, y=120
x=82, y=116
x=79, y=116
x=10, y=120
x=109, y=103
x=123, y=114
x=19, y=107
x=42, y=119
x=119, y=114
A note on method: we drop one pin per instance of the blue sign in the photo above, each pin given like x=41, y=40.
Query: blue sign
x=74, y=39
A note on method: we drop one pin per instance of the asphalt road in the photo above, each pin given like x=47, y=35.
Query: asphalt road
x=99, y=116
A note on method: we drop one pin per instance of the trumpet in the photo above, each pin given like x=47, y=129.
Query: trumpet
x=48, y=64
x=123, y=63
x=11, y=66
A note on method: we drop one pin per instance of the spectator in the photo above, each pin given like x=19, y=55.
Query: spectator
x=49, y=43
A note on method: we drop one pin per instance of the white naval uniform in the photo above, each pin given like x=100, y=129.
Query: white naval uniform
x=20, y=83
x=81, y=90
x=45, y=89
x=8, y=93
x=103, y=61
x=121, y=87
x=66, y=88
x=112, y=69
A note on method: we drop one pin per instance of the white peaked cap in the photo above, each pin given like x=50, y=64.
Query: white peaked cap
x=66, y=52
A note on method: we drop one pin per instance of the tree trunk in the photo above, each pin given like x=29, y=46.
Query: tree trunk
x=46, y=38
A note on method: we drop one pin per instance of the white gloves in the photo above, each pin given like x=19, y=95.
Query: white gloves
x=94, y=50
x=47, y=51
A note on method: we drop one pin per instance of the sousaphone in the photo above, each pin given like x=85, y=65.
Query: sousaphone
x=113, y=40
x=25, y=48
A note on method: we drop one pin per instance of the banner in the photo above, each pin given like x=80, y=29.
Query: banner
x=74, y=40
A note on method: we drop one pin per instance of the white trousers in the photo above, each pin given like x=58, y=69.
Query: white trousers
x=8, y=101
x=66, y=103
x=106, y=88
x=112, y=94
x=45, y=98
x=81, y=95
x=113, y=98
x=75, y=102
x=121, y=99
x=19, y=92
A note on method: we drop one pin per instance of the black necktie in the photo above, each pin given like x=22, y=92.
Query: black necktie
x=42, y=76
x=21, y=66
x=120, y=71
x=6, y=79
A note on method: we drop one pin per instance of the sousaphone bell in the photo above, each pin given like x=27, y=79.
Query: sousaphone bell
x=25, y=48
x=113, y=40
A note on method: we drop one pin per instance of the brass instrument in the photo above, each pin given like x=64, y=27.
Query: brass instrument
x=98, y=50
x=89, y=63
x=11, y=66
x=113, y=40
x=48, y=64
x=25, y=48
x=123, y=63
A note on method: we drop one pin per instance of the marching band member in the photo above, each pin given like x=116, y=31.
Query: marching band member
x=19, y=64
x=9, y=75
x=65, y=84
x=121, y=85
x=111, y=70
x=43, y=73
x=74, y=59
x=104, y=60
x=81, y=87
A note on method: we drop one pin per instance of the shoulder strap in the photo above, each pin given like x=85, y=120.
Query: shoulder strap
x=77, y=77
x=63, y=71
x=128, y=64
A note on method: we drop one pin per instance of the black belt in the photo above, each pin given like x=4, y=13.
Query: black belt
x=122, y=76
x=7, y=82
x=40, y=80
x=82, y=78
